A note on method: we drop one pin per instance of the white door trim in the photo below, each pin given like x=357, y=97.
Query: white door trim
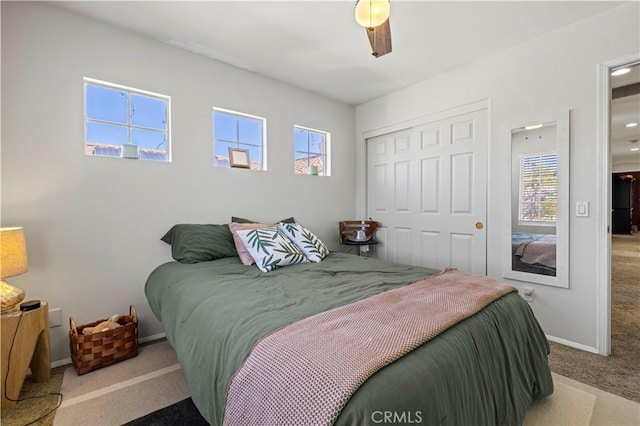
x=603, y=236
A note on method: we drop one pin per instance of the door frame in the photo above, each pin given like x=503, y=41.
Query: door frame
x=603, y=208
x=361, y=177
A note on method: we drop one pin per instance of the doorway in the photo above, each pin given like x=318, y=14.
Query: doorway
x=603, y=201
x=624, y=197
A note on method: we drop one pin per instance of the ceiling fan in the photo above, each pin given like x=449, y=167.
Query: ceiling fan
x=374, y=16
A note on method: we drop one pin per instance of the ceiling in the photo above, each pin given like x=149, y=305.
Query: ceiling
x=317, y=45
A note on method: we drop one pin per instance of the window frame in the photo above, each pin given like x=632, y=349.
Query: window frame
x=326, y=154
x=537, y=221
x=239, y=144
x=129, y=126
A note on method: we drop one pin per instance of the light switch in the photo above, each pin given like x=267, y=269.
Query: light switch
x=582, y=209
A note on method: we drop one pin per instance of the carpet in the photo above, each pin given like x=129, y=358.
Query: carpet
x=149, y=390
x=618, y=373
x=124, y=391
x=570, y=405
x=37, y=402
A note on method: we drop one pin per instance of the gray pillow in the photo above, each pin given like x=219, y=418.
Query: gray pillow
x=192, y=243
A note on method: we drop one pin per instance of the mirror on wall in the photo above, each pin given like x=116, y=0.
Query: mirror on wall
x=536, y=237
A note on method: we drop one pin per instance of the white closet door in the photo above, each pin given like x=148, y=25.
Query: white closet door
x=427, y=185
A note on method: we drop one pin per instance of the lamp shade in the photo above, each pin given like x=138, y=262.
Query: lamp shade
x=371, y=13
x=13, y=252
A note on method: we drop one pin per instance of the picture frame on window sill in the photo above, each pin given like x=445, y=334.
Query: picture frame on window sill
x=239, y=158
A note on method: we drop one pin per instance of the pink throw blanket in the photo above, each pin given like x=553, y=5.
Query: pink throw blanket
x=541, y=251
x=306, y=372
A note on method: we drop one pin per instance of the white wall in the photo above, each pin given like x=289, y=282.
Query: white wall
x=93, y=225
x=529, y=83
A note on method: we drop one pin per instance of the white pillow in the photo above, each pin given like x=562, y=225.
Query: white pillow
x=311, y=246
x=271, y=248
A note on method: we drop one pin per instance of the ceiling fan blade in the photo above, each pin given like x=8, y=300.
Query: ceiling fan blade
x=380, y=39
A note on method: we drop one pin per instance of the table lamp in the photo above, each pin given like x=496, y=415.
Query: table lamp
x=13, y=261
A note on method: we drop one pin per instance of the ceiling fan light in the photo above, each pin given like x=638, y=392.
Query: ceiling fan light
x=371, y=13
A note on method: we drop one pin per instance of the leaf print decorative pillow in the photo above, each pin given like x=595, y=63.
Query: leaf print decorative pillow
x=311, y=246
x=271, y=248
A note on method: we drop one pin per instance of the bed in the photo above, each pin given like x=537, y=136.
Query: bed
x=534, y=253
x=487, y=369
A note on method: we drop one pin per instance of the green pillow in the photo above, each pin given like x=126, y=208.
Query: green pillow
x=200, y=243
x=243, y=220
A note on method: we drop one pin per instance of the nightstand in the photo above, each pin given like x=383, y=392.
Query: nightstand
x=31, y=348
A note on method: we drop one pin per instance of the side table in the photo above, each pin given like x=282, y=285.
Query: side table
x=31, y=348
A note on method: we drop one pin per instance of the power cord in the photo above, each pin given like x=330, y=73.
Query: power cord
x=58, y=394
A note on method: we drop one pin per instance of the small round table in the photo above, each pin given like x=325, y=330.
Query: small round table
x=363, y=246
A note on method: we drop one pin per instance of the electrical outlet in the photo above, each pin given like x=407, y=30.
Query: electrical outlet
x=55, y=317
x=527, y=294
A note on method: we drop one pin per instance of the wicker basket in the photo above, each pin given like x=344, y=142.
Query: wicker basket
x=97, y=350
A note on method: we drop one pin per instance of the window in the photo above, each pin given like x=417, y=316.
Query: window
x=538, y=197
x=117, y=119
x=242, y=131
x=311, y=151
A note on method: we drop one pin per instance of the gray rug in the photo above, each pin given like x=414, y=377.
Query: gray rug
x=180, y=413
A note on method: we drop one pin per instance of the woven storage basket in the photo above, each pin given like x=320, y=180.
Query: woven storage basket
x=97, y=350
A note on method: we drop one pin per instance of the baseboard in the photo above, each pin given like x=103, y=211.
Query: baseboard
x=573, y=344
x=61, y=362
x=67, y=361
x=152, y=337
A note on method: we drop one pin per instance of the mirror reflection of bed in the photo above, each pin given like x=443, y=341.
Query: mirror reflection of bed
x=534, y=253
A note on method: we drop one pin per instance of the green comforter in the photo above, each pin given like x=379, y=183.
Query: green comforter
x=487, y=369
